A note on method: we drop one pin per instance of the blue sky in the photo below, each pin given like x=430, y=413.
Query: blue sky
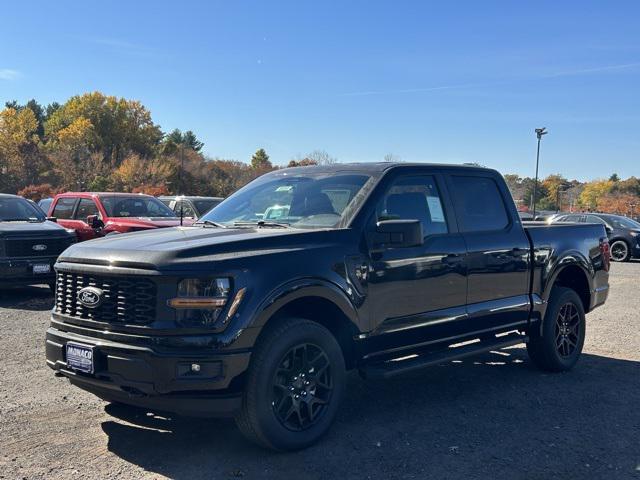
x=427, y=81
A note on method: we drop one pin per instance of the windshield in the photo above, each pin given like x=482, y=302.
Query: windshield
x=302, y=201
x=135, y=206
x=623, y=222
x=203, y=206
x=19, y=210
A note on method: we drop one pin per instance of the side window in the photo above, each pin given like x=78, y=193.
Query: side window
x=594, y=219
x=480, y=206
x=86, y=207
x=64, y=208
x=187, y=209
x=414, y=198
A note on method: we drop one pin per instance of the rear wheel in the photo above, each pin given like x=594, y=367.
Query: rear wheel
x=620, y=251
x=563, y=330
x=294, y=386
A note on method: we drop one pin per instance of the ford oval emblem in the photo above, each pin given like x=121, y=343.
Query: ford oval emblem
x=40, y=247
x=90, y=297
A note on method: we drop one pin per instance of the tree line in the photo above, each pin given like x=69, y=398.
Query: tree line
x=557, y=193
x=96, y=142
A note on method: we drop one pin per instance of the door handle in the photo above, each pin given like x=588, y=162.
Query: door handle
x=452, y=259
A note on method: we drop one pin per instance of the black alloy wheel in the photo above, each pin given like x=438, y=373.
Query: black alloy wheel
x=568, y=324
x=294, y=385
x=302, y=387
x=555, y=344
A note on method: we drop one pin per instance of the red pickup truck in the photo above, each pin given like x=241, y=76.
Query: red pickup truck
x=94, y=215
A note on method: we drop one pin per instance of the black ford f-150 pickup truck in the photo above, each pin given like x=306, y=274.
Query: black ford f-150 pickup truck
x=259, y=309
x=29, y=243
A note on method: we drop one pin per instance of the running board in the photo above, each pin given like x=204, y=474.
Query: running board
x=399, y=366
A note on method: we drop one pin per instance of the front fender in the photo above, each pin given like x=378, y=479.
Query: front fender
x=305, y=287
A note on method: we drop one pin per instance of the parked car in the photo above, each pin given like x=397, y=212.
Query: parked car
x=45, y=203
x=94, y=215
x=29, y=243
x=623, y=232
x=190, y=206
x=386, y=268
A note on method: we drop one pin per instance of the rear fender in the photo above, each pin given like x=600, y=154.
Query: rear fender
x=571, y=258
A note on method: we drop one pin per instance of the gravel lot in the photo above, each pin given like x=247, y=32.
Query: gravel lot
x=494, y=416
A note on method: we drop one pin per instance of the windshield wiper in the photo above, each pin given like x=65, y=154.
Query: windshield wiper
x=261, y=224
x=210, y=222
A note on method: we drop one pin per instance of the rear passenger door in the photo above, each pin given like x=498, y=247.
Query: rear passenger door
x=497, y=251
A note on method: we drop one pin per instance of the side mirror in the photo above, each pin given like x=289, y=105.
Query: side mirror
x=608, y=229
x=52, y=219
x=94, y=222
x=398, y=233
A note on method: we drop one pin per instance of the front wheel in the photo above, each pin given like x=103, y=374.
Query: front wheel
x=620, y=251
x=563, y=330
x=294, y=386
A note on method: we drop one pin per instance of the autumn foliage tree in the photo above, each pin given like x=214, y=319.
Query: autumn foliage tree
x=98, y=142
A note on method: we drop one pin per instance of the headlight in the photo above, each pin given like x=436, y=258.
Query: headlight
x=200, y=301
x=634, y=234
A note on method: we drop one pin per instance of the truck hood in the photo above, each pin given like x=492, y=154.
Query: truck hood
x=182, y=247
x=22, y=229
x=148, y=222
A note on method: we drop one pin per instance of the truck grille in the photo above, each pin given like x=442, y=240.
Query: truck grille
x=124, y=300
x=24, y=247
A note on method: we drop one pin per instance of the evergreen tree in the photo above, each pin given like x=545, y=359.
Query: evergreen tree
x=260, y=160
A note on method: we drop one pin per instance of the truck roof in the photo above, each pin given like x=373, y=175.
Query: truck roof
x=375, y=167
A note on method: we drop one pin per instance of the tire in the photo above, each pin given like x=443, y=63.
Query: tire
x=620, y=251
x=563, y=331
x=276, y=367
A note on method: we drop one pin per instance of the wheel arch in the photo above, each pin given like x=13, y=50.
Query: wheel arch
x=574, y=273
x=319, y=301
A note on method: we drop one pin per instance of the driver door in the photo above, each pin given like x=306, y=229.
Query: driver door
x=416, y=293
x=84, y=231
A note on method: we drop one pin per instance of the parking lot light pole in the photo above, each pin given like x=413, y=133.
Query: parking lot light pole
x=539, y=133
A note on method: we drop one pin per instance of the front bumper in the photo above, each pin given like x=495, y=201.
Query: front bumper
x=20, y=272
x=635, y=251
x=163, y=381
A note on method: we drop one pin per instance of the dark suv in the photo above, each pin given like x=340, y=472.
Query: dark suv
x=623, y=232
x=29, y=243
x=258, y=310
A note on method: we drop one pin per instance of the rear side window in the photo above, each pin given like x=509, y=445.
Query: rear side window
x=64, y=208
x=479, y=204
x=594, y=219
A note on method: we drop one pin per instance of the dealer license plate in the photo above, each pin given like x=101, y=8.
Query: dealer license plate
x=80, y=357
x=41, y=268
